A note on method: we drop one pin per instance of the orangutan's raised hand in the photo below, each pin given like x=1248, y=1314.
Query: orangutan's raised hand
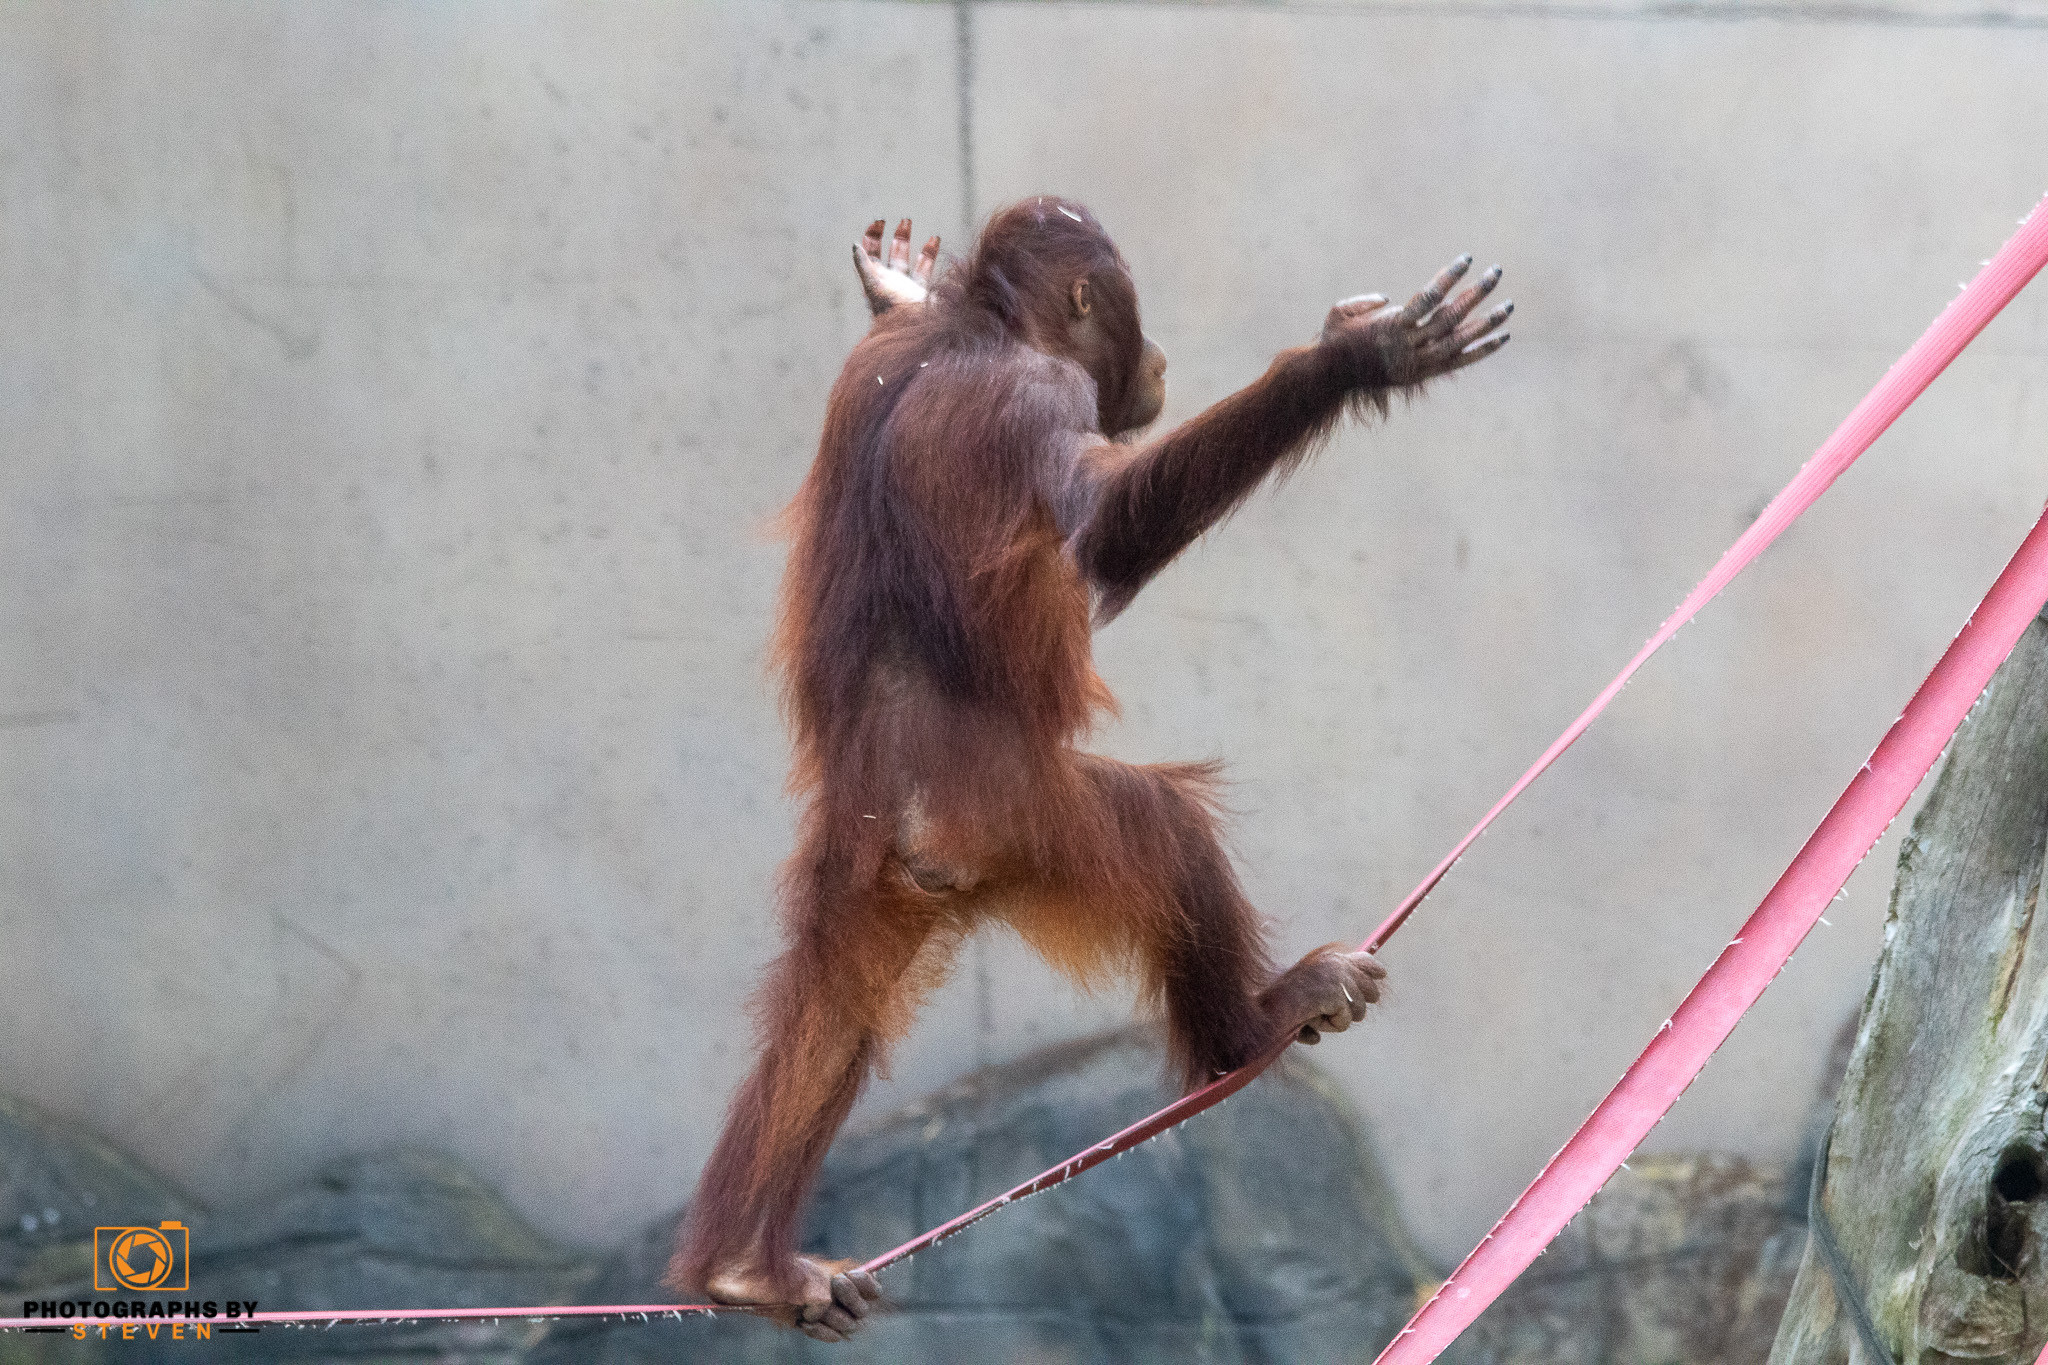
x=894, y=280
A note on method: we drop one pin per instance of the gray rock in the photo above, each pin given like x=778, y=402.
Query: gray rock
x=57, y=1183
x=1262, y=1230
x=400, y=1229
x=1681, y=1260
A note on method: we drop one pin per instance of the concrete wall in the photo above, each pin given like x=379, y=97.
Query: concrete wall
x=393, y=397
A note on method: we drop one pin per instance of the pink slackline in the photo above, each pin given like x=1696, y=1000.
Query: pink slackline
x=1879, y=790
x=1749, y=963
x=1730, y=986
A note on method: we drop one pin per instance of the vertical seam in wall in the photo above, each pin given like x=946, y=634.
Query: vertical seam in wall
x=963, y=76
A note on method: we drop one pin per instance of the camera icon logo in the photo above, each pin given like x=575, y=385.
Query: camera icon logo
x=140, y=1259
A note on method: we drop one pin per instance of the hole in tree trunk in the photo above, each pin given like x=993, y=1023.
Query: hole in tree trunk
x=2004, y=1252
x=2018, y=1177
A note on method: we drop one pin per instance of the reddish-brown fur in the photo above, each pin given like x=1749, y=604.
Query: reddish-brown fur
x=965, y=522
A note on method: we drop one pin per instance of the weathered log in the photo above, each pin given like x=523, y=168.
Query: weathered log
x=1932, y=1181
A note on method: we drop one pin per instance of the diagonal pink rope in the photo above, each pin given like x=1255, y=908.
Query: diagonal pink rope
x=1759, y=951
x=2002, y=278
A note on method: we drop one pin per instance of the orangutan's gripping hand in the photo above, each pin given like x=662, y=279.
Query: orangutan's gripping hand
x=1382, y=346
x=896, y=280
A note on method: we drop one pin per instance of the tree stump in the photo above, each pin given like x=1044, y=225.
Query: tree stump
x=1932, y=1181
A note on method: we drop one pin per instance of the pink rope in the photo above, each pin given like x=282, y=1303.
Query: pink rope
x=2001, y=278
x=1653, y=1084
x=1703, y=1021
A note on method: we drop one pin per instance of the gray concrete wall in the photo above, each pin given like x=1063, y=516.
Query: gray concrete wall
x=393, y=399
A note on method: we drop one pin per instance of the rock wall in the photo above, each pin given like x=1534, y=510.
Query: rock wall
x=1264, y=1230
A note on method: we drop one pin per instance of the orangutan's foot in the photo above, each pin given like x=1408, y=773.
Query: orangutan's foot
x=832, y=1303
